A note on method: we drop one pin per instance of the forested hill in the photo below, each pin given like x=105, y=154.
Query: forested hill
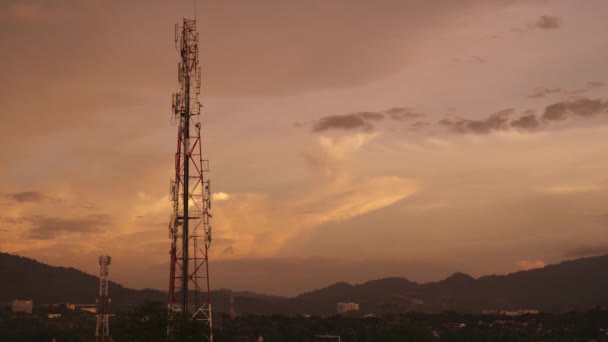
x=24, y=278
x=571, y=285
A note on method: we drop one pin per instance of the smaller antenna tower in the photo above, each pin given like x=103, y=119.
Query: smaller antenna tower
x=232, y=309
x=102, y=330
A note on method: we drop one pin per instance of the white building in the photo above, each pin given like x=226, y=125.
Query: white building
x=344, y=307
x=26, y=306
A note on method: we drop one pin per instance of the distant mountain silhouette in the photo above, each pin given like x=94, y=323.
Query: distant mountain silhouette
x=24, y=278
x=571, y=285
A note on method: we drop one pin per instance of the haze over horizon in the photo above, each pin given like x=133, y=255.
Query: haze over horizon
x=348, y=141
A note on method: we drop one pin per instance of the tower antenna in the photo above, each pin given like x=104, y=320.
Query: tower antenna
x=190, y=195
x=102, y=329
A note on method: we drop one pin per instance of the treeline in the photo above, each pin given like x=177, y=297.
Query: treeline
x=148, y=323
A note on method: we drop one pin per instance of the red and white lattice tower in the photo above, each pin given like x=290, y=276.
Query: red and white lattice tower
x=189, y=228
x=102, y=330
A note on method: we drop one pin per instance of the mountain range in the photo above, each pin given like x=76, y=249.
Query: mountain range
x=570, y=285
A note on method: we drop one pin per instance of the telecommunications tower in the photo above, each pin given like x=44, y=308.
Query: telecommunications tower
x=189, y=228
x=102, y=330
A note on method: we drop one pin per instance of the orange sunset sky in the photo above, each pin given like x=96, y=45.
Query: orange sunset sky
x=348, y=140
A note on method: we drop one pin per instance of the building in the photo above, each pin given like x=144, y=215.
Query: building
x=91, y=310
x=344, y=307
x=26, y=306
x=520, y=312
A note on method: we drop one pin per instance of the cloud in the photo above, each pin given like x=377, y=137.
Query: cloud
x=495, y=122
x=349, y=122
x=228, y=251
x=326, y=157
x=555, y=112
x=11, y=220
x=547, y=22
x=418, y=125
x=586, y=107
x=527, y=122
x=542, y=92
x=399, y=113
x=570, y=189
x=362, y=121
x=45, y=227
x=341, y=198
x=333, y=204
x=471, y=60
x=220, y=196
x=42, y=12
x=22, y=12
x=27, y=196
x=261, y=224
x=595, y=84
x=525, y=265
x=310, y=56
x=583, y=107
x=586, y=251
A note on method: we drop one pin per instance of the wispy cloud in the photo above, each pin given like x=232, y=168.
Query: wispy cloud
x=362, y=121
x=47, y=227
x=471, y=60
x=495, y=122
x=400, y=113
x=326, y=157
x=260, y=224
x=544, y=22
x=595, y=84
x=583, y=107
x=27, y=196
x=542, y=92
x=570, y=189
x=548, y=22
x=528, y=121
x=354, y=121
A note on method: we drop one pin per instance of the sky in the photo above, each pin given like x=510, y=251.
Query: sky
x=348, y=140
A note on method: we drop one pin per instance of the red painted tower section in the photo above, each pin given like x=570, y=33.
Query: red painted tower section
x=189, y=227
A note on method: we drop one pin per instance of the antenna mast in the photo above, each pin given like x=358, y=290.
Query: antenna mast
x=189, y=227
x=102, y=330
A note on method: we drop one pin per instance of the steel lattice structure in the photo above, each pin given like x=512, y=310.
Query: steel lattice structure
x=189, y=228
x=102, y=330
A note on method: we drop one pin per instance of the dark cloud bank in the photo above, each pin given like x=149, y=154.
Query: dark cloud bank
x=548, y=22
x=27, y=196
x=362, y=120
x=46, y=227
x=528, y=121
